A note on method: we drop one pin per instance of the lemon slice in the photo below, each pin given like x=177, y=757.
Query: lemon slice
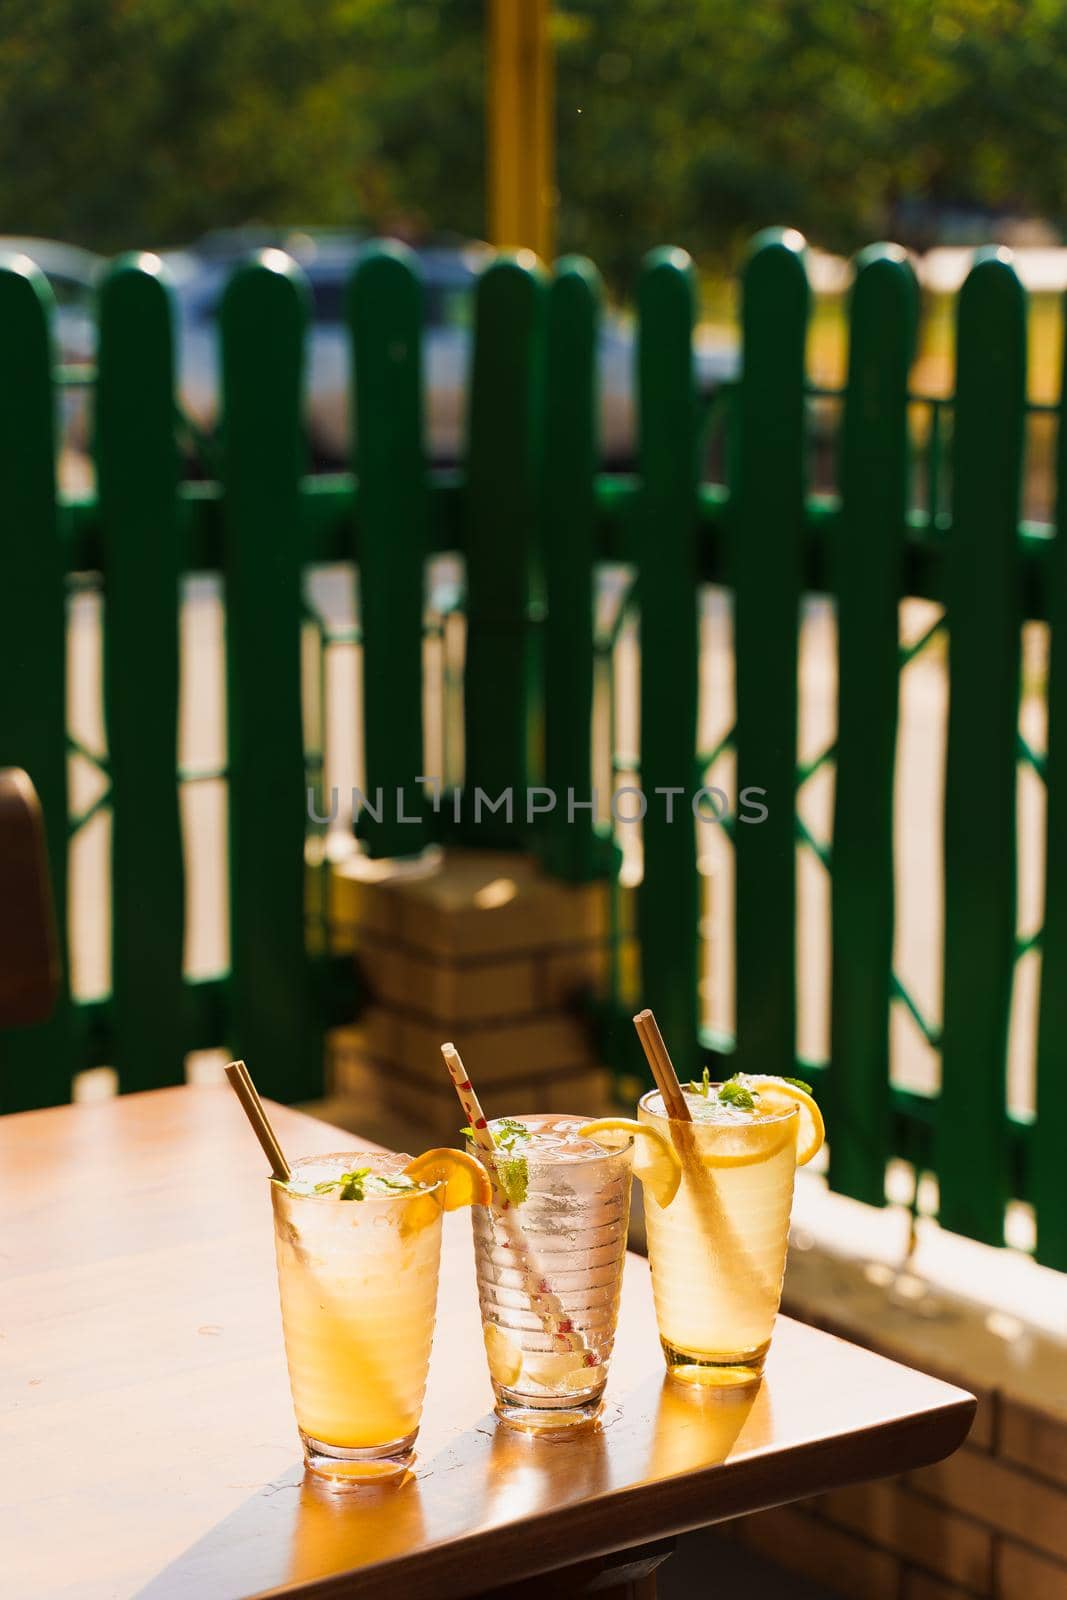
x=777, y=1095
x=745, y=1145
x=559, y=1369
x=465, y=1181
x=655, y=1160
x=419, y=1212
x=505, y=1356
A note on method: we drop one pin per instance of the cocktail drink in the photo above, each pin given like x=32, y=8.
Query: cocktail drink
x=718, y=1253
x=357, y=1237
x=549, y=1253
x=358, y=1246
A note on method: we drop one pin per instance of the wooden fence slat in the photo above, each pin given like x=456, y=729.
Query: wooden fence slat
x=767, y=558
x=36, y=1063
x=503, y=461
x=385, y=317
x=984, y=601
x=137, y=474
x=868, y=572
x=668, y=898
x=1048, y=1192
x=271, y=1022
x=568, y=524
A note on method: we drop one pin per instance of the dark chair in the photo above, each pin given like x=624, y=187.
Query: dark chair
x=29, y=948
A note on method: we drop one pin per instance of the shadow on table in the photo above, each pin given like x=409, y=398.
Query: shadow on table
x=295, y=1529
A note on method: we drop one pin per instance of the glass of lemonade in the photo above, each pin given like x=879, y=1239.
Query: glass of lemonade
x=717, y=1254
x=549, y=1254
x=358, y=1247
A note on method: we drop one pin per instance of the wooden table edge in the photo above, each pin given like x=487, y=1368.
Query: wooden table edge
x=591, y=1528
x=635, y=1515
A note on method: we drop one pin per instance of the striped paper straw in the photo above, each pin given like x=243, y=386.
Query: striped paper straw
x=545, y=1304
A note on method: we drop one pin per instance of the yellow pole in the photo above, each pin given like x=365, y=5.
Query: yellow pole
x=520, y=109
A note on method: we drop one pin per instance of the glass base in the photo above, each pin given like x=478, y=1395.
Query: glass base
x=367, y=1467
x=548, y=1416
x=729, y=1370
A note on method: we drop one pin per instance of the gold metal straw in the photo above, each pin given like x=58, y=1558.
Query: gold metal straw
x=722, y=1236
x=245, y=1090
x=659, y=1060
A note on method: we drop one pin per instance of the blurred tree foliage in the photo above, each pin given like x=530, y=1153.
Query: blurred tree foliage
x=147, y=121
x=701, y=120
x=128, y=122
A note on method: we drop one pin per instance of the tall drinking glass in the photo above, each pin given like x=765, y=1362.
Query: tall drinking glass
x=549, y=1254
x=358, y=1284
x=718, y=1252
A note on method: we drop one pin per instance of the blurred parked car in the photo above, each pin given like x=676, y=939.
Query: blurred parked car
x=72, y=274
x=327, y=260
x=199, y=275
x=449, y=273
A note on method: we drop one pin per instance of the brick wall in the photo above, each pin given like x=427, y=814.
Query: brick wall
x=991, y=1520
x=979, y=1524
x=483, y=949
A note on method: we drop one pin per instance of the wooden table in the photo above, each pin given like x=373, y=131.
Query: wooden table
x=147, y=1446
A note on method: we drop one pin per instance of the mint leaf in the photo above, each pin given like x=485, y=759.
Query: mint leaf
x=508, y=1131
x=513, y=1174
x=504, y=1134
x=400, y=1183
x=703, y=1087
x=349, y=1183
x=356, y=1185
x=514, y=1178
x=735, y=1094
x=798, y=1083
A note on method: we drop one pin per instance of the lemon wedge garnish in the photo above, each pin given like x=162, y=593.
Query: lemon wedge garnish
x=655, y=1160
x=421, y=1211
x=505, y=1356
x=776, y=1095
x=561, y=1369
x=465, y=1181
x=745, y=1145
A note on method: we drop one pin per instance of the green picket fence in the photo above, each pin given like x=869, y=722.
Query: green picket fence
x=533, y=516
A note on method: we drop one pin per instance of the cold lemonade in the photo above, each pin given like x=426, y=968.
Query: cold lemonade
x=718, y=1253
x=549, y=1252
x=358, y=1245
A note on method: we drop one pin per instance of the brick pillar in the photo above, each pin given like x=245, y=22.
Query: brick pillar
x=486, y=950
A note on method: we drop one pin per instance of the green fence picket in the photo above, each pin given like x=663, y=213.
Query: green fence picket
x=530, y=630
x=568, y=525
x=868, y=573
x=35, y=1063
x=668, y=899
x=984, y=602
x=137, y=475
x=385, y=317
x=1047, y=1187
x=271, y=1022
x=503, y=459
x=767, y=524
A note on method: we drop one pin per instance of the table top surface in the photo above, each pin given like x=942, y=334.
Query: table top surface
x=148, y=1447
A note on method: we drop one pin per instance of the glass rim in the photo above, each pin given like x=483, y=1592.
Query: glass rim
x=401, y=1195
x=548, y=1160
x=757, y=1122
